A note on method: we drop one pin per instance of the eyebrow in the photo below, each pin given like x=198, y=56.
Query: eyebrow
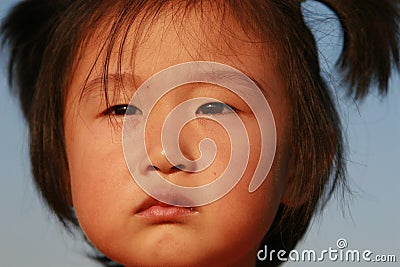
x=136, y=81
x=121, y=79
x=233, y=74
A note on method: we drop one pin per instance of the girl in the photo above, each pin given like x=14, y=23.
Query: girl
x=77, y=64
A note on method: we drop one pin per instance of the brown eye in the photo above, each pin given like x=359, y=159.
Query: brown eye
x=214, y=108
x=122, y=110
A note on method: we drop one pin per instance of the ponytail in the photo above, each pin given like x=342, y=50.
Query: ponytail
x=27, y=31
x=370, y=42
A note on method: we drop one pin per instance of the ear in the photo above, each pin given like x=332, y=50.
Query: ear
x=309, y=183
x=289, y=198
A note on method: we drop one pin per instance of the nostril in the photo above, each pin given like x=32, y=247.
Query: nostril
x=180, y=167
x=152, y=168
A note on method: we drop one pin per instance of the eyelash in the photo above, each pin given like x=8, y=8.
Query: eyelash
x=116, y=110
x=221, y=109
x=211, y=108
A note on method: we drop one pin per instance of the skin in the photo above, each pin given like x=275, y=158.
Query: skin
x=105, y=197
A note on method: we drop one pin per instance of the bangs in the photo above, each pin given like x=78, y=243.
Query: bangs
x=117, y=30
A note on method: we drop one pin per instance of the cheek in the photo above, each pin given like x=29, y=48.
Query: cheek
x=243, y=218
x=237, y=223
x=98, y=175
x=263, y=203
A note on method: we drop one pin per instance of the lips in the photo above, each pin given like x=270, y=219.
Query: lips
x=158, y=211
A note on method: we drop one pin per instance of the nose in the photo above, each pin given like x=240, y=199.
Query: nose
x=168, y=159
x=159, y=162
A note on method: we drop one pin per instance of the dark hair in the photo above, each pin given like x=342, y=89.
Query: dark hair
x=42, y=36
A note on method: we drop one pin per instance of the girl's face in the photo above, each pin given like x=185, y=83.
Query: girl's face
x=107, y=201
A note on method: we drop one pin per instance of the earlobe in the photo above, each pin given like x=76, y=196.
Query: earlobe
x=290, y=199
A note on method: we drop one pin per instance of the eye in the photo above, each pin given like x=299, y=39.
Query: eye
x=122, y=109
x=214, y=108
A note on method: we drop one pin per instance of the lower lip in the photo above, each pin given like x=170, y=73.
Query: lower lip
x=168, y=213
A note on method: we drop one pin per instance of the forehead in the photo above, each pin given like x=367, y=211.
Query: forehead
x=175, y=34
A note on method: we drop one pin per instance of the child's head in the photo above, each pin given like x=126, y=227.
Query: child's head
x=77, y=64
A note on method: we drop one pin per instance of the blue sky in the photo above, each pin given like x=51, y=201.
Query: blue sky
x=30, y=236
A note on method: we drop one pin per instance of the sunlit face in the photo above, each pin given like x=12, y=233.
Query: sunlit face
x=119, y=218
